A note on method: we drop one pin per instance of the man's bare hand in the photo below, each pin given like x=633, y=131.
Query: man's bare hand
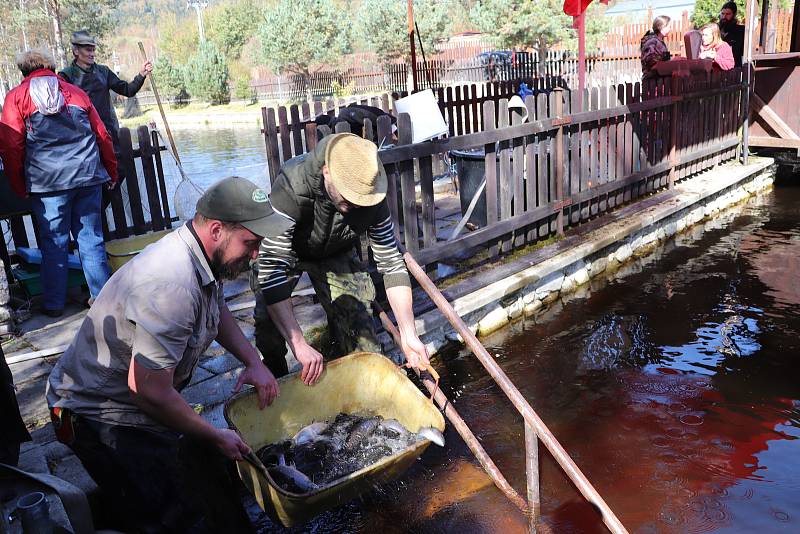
x=415, y=352
x=312, y=363
x=147, y=68
x=263, y=380
x=230, y=444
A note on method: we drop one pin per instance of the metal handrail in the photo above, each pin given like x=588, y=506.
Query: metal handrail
x=535, y=428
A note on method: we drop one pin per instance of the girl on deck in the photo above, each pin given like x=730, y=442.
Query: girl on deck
x=713, y=47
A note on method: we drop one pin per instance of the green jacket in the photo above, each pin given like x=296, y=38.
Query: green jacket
x=96, y=82
x=319, y=230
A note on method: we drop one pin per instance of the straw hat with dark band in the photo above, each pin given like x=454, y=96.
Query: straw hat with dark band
x=355, y=170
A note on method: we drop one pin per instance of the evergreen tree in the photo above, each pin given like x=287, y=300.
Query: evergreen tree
x=708, y=11
x=539, y=25
x=230, y=25
x=207, y=75
x=171, y=80
x=383, y=24
x=295, y=35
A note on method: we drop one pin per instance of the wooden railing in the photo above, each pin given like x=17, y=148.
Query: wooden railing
x=285, y=128
x=563, y=168
x=140, y=204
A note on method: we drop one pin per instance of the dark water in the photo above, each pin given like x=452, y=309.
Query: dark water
x=674, y=385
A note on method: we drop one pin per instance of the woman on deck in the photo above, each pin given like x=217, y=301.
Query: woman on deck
x=653, y=47
x=713, y=47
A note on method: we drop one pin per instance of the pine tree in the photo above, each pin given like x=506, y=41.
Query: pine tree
x=207, y=75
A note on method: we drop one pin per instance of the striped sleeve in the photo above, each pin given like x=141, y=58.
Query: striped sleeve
x=276, y=262
x=387, y=256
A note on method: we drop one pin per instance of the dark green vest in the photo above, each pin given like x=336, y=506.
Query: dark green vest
x=320, y=230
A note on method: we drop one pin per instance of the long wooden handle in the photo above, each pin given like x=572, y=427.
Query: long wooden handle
x=458, y=423
x=561, y=456
x=161, y=108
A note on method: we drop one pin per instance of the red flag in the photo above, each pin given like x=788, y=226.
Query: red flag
x=576, y=7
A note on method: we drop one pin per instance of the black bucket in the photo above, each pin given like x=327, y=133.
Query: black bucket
x=471, y=170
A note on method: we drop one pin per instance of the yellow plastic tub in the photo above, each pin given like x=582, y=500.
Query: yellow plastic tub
x=357, y=383
x=121, y=251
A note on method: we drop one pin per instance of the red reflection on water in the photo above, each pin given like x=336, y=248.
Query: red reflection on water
x=663, y=452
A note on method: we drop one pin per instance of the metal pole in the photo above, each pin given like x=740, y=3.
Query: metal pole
x=748, y=85
x=460, y=425
x=531, y=417
x=424, y=61
x=413, y=46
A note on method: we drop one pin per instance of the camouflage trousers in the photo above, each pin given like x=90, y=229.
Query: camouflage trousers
x=345, y=292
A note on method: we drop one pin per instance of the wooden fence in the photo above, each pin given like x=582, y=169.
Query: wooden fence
x=139, y=204
x=436, y=74
x=286, y=128
x=562, y=167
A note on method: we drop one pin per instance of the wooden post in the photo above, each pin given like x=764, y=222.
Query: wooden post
x=413, y=46
x=558, y=162
x=271, y=141
x=532, y=475
x=311, y=136
x=409, y=195
x=129, y=168
x=673, y=130
x=162, y=184
x=490, y=162
x=150, y=184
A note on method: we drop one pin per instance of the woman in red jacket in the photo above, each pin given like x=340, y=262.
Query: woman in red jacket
x=713, y=47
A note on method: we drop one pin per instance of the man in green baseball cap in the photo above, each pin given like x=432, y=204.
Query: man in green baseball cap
x=115, y=395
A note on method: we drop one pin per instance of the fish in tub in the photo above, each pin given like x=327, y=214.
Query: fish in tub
x=323, y=452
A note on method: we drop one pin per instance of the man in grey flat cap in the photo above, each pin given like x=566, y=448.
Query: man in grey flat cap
x=97, y=80
x=114, y=395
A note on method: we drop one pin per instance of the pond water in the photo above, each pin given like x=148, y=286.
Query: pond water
x=673, y=385
x=211, y=153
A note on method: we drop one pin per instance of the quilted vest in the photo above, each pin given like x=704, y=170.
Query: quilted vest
x=320, y=231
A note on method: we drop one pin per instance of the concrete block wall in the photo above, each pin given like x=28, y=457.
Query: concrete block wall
x=533, y=290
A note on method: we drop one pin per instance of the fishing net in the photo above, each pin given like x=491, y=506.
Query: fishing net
x=187, y=193
x=186, y=196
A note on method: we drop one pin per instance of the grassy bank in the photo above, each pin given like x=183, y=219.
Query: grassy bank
x=197, y=113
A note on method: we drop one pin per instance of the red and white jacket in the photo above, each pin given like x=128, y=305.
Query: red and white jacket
x=54, y=140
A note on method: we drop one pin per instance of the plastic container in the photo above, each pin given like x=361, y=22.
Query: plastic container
x=357, y=383
x=121, y=251
x=471, y=170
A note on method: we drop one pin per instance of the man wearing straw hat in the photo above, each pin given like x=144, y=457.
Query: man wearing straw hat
x=332, y=195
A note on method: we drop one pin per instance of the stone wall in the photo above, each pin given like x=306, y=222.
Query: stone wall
x=534, y=289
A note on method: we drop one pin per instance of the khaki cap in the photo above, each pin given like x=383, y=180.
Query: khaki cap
x=355, y=170
x=237, y=200
x=82, y=38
